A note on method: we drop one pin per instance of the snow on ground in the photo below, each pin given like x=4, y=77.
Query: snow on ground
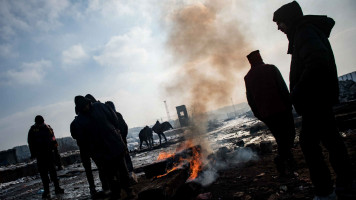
x=73, y=178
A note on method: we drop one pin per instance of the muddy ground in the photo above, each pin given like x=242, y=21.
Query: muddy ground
x=255, y=179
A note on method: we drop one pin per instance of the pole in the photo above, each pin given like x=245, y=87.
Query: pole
x=165, y=103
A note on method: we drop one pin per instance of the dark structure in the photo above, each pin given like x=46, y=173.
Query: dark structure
x=182, y=115
x=8, y=157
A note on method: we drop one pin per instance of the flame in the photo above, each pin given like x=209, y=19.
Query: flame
x=195, y=160
x=164, y=155
x=195, y=164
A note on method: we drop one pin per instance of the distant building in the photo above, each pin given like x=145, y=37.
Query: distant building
x=182, y=115
x=349, y=76
x=8, y=157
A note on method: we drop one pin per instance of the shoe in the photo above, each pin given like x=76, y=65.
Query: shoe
x=59, y=190
x=331, y=196
x=130, y=195
x=93, y=192
x=46, y=195
x=102, y=195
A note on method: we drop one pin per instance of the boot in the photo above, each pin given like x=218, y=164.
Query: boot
x=130, y=194
x=93, y=191
x=46, y=195
x=59, y=190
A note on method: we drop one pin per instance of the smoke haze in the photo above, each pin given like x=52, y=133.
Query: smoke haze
x=207, y=40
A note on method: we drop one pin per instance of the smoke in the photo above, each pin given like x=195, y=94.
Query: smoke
x=220, y=162
x=208, y=42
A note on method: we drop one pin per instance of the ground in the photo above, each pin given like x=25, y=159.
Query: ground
x=255, y=179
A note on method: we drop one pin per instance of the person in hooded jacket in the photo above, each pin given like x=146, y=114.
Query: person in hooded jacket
x=40, y=142
x=268, y=96
x=101, y=126
x=314, y=90
x=123, y=131
x=86, y=155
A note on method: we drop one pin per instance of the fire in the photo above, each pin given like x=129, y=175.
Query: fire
x=195, y=165
x=195, y=160
x=164, y=155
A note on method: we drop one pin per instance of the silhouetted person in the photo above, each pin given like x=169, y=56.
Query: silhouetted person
x=91, y=98
x=314, y=90
x=158, y=129
x=40, y=142
x=268, y=96
x=123, y=131
x=101, y=126
x=83, y=142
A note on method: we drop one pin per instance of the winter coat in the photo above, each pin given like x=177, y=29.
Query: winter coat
x=78, y=133
x=40, y=141
x=101, y=126
x=313, y=73
x=267, y=93
x=122, y=124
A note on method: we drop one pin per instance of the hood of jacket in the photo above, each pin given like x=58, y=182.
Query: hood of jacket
x=111, y=105
x=324, y=23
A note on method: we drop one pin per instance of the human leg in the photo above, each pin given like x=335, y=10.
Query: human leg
x=310, y=144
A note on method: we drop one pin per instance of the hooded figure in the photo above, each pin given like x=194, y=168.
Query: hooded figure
x=268, y=97
x=314, y=90
x=123, y=131
x=107, y=148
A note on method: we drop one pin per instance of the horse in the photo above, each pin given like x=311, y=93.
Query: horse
x=146, y=135
x=160, y=128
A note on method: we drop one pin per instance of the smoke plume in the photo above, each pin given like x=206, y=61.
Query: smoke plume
x=208, y=42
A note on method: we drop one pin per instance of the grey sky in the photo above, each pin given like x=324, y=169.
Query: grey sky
x=51, y=51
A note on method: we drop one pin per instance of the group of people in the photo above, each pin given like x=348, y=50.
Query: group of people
x=100, y=132
x=313, y=92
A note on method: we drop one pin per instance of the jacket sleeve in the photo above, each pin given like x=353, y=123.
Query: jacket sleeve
x=74, y=129
x=30, y=143
x=251, y=102
x=313, y=54
x=123, y=125
x=111, y=116
x=282, y=86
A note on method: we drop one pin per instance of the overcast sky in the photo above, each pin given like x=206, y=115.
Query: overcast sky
x=51, y=51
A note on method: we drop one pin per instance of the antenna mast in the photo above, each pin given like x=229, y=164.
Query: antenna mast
x=165, y=103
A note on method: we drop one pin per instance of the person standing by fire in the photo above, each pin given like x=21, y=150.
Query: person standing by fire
x=314, y=90
x=40, y=142
x=106, y=145
x=123, y=131
x=85, y=155
x=268, y=96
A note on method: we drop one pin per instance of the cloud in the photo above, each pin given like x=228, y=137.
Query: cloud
x=73, y=57
x=6, y=51
x=32, y=15
x=28, y=73
x=128, y=50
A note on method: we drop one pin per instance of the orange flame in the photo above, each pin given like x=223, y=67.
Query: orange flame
x=195, y=165
x=164, y=155
x=195, y=161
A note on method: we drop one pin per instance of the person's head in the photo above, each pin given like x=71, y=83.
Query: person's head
x=255, y=58
x=111, y=105
x=286, y=16
x=91, y=98
x=82, y=104
x=39, y=119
